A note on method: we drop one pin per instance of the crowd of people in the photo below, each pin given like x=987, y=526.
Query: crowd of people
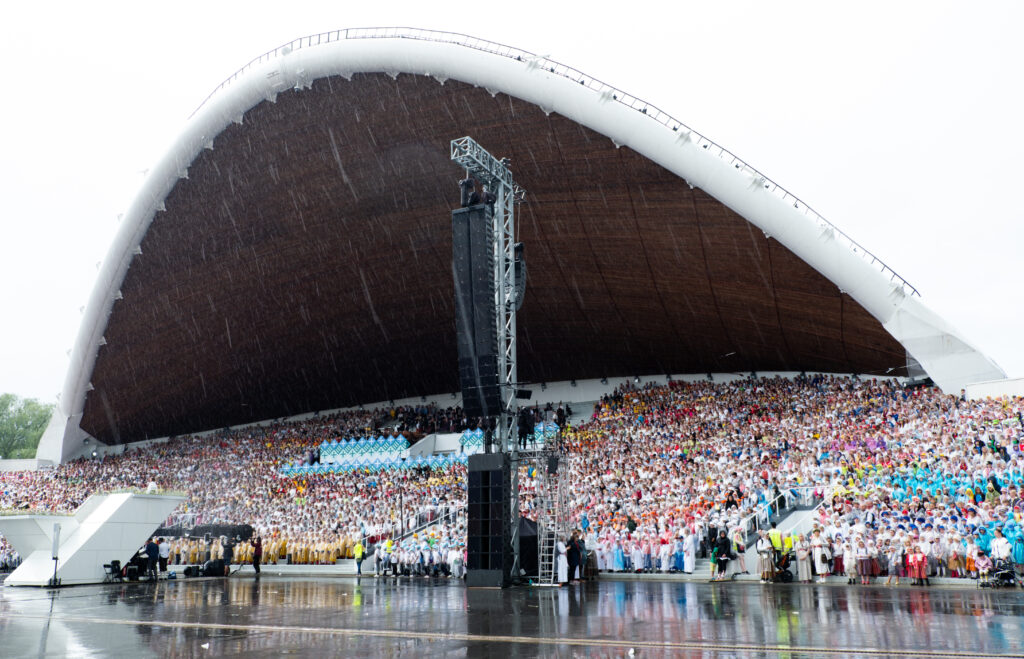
x=666, y=472
x=9, y=558
x=913, y=483
x=233, y=477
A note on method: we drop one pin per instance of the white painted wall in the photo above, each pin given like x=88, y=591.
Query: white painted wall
x=106, y=527
x=995, y=388
x=23, y=465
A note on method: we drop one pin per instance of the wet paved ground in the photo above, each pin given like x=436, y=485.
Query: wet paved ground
x=422, y=617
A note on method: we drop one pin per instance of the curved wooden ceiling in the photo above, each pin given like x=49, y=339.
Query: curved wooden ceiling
x=305, y=264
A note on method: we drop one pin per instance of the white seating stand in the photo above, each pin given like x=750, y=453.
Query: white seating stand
x=106, y=527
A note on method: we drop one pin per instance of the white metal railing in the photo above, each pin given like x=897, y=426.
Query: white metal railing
x=425, y=519
x=184, y=520
x=799, y=528
x=761, y=516
x=606, y=91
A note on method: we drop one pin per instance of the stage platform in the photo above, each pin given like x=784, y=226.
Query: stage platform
x=370, y=617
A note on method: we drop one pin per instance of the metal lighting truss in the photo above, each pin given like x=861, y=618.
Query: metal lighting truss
x=495, y=174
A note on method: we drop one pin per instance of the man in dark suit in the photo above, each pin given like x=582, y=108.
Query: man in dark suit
x=153, y=557
x=573, y=554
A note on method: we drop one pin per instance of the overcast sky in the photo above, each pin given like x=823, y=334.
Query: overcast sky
x=900, y=122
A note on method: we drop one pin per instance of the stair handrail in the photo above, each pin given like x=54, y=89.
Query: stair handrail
x=452, y=510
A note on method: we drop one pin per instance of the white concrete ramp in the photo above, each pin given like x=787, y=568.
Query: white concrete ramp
x=796, y=522
x=106, y=527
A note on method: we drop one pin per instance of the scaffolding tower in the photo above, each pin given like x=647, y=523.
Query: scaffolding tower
x=496, y=176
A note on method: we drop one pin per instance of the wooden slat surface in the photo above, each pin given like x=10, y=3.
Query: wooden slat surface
x=306, y=264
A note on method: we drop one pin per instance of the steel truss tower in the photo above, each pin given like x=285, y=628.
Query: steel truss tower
x=495, y=175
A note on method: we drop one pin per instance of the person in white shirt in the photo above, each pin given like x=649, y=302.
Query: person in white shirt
x=165, y=552
x=765, y=564
x=665, y=556
x=562, y=562
x=689, y=552
x=455, y=562
x=1000, y=548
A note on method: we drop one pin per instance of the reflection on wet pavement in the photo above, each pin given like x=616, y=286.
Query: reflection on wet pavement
x=329, y=617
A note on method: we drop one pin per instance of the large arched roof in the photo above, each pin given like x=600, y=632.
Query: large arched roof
x=292, y=251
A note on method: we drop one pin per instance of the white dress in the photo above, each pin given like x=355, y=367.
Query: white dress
x=689, y=553
x=637, y=557
x=603, y=556
x=665, y=557
x=561, y=562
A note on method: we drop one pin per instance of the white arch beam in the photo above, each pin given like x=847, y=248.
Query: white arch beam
x=948, y=358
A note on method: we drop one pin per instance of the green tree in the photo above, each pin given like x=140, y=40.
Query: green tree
x=22, y=423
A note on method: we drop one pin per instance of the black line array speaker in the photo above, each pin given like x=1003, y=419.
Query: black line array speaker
x=489, y=532
x=475, y=324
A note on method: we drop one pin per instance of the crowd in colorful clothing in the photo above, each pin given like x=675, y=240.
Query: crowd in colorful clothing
x=660, y=472
x=657, y=475
x=233, y=477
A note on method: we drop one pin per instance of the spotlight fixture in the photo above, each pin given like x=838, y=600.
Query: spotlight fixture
x=710, y=379
x=572, y=383
x=636, y=379
x=604, y=380
x=543, y=386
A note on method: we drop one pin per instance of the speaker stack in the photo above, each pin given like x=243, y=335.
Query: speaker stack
x=475, y=323
x=489, y=533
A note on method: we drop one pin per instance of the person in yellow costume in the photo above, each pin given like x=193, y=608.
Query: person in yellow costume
x=267, y=549
x=216, y=551
x=330, y=547
x=245, y=555
x=270, y=552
